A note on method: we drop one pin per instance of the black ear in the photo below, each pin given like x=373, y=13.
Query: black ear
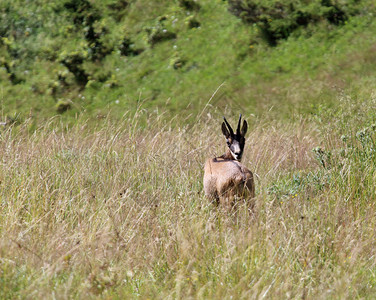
x=225, y=131
x=238, y=128
x=229, y=127
x=244, y=128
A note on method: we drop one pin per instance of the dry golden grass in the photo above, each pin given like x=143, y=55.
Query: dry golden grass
x=118, y=212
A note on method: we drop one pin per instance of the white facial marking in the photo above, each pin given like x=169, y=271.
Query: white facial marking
x=236, y=148
x=234, y=155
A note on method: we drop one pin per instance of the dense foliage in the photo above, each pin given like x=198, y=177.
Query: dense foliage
x=279, y=19
x=93, y=57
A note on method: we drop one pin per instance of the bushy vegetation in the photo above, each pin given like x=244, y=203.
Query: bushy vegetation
x=109, y=110
x=279, y=19
x=103, y=56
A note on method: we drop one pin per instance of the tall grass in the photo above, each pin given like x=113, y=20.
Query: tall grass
x=114, y=211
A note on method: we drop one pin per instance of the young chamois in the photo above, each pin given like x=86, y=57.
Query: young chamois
x=225, y=178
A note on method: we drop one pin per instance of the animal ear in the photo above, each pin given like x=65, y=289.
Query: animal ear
x=225, y=131
x=231, y=132
x=244, y=128
x=239, y=122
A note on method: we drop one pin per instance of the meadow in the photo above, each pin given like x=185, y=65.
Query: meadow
x=101, y=165
x=118, y=212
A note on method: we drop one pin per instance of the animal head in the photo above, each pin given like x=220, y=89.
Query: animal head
x=235, y=141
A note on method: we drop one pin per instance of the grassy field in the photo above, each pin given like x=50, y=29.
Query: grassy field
x=103, y=149
x=116, y=211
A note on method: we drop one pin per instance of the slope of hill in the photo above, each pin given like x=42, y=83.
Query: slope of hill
x=96, y=57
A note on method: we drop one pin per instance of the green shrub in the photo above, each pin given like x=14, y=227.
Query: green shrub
x=88, y=18
x=157, y=35
x=348, y=153
x=82, y=12
x=127, y=48
x=118, y=9
x=14, y=79
x=353, y=165
x=189, y=4
x=192, y=22
x=277, y=20
x=306, y=185
x=62, y=106
x=73, y=61
x=177, y=62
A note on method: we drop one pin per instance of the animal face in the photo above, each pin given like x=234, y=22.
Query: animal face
x=235, y=141
x=236, y=146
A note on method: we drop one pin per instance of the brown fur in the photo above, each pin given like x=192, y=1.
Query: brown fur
x=226, y=178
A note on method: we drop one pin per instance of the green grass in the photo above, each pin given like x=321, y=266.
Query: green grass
x=296, y=76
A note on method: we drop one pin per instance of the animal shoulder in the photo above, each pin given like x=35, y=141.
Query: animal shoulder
x=224, y=165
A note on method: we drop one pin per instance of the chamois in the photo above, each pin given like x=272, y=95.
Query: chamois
x=225, y=178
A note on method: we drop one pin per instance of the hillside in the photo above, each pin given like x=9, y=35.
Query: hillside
x=100, y=57
x=109, y=110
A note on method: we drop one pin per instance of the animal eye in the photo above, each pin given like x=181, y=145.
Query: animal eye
x=228, y=143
